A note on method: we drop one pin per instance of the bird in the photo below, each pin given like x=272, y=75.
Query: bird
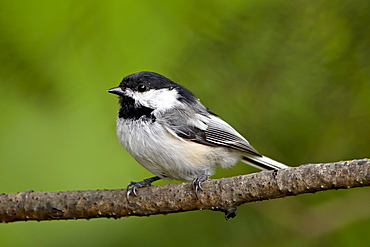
x=168, y=131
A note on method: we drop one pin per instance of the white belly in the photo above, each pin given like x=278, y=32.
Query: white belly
x=167, y=156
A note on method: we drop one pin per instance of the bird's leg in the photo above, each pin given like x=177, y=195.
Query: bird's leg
x=197, y=183
x=136, y=185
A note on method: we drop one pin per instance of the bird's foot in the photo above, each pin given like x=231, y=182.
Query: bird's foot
x=197, y=183
x=133, y=186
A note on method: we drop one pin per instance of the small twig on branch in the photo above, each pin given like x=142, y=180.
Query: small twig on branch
x=219, y=194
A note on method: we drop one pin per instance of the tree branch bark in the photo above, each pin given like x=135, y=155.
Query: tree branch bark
x=224, y=194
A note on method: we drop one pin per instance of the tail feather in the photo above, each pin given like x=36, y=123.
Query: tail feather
x=264, y=163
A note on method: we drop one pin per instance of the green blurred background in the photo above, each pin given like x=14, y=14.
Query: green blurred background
x=291, y=76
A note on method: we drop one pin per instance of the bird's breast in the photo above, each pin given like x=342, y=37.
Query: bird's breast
x=164, y=154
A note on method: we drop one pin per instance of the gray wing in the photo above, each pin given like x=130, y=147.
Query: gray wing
x=221, y=133
x=210, y=130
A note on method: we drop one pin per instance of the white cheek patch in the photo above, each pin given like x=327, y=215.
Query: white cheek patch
x=160, y=99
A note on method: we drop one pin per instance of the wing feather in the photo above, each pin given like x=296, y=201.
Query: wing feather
x=210, y=130
x=222, y=133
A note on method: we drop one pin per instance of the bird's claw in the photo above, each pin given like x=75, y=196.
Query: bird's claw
x=132, y=190
x=197, y=183
x=133, y=186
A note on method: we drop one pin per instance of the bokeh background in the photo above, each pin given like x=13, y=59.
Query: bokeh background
x=291, y=76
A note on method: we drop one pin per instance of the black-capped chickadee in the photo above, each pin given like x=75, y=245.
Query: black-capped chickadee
x=169, y=132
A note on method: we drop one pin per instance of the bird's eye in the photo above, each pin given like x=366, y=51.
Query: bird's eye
x=141, y=88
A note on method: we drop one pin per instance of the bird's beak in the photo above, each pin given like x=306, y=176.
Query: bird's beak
x=116, y=90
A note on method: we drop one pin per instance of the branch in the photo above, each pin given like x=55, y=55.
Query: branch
x=224, y=194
